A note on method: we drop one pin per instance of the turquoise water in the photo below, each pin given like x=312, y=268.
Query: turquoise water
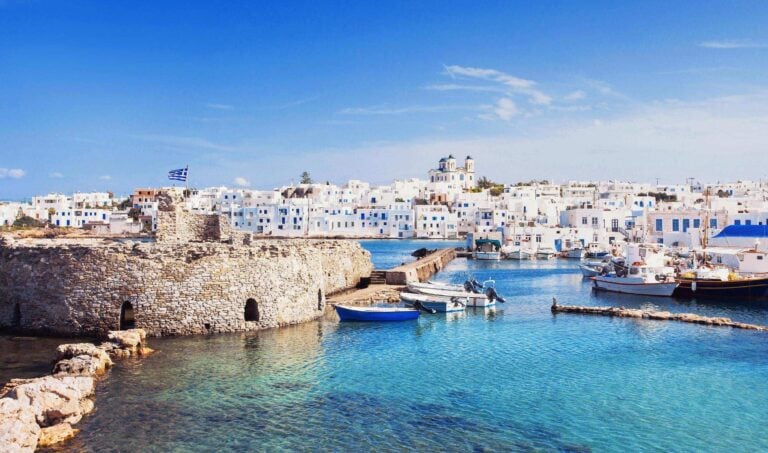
x=513, y=379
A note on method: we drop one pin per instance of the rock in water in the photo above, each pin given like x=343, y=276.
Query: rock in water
x=54, y=399
x=132, y=339
x=54, y=434
x=18, y=428
x=82, y=365
x=69, y=351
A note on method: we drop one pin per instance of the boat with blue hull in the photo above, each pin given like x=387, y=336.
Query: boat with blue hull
x=375, y=314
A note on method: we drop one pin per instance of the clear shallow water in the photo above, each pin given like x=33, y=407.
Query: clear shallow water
x=513, y=379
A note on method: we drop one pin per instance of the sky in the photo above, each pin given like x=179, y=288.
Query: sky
x=112, y=95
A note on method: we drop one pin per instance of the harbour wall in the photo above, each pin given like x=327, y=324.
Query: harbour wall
x=197, y=277
x=422, y=269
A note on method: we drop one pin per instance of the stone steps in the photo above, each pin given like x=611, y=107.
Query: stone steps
x=378, y=278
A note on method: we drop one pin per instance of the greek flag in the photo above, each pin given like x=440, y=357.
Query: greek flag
x=178, y=175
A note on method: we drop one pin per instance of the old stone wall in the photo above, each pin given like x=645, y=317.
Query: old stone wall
x=172, y=287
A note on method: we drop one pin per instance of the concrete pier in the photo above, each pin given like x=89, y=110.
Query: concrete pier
x=622, y=312
x=422, y=269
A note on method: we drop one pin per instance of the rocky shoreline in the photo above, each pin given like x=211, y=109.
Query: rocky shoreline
x=40, y=412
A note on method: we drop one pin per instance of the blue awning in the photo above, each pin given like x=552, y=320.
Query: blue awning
x=744, y=231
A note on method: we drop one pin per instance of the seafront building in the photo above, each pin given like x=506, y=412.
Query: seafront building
x=448, y=204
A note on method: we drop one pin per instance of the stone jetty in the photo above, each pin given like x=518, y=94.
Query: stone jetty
x=40, y=412
x=621, y=312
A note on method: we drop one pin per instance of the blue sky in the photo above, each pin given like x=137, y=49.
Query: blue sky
x=111, y=95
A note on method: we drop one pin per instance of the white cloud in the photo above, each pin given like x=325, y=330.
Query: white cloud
x=13, y=173
x=733, y=44
x=242, y=182
x=575, y=96
x=512, y=83
x=220, y=106
x=505, y=109
x=56, y=174
x=713, y=139
x=105, y=177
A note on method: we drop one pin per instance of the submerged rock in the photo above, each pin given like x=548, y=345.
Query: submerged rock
x=18, y=427
x=54, y=434
x=131, y=339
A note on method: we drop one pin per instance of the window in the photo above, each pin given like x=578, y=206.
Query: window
x=675, y=224
x=686, y=224
x=747, y=222
x=696, y=223
x=737, y=222
x=713, y=223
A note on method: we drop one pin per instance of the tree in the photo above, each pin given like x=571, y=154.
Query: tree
x=26, y=221
x=305, y=178
x=51, y=213
x=134, y=213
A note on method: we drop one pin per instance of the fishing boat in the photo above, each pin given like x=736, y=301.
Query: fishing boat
x=487, y=249
x=487, y=299
x=517, y=253
x=437, y=303
x=375, y=314
x=545, y=253
x=576, y=253
x=721, y=283
x=589, y=270
x=595, y=250
x=647, y=274
x=641, y=280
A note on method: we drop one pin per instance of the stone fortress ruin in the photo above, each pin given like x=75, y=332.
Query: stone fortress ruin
x=198, y=276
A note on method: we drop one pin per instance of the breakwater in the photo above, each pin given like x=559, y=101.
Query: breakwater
x=622, y=312
x=422, y=269
x=198, y=277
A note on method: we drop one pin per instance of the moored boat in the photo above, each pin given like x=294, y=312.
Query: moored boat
x=647, y=274
x=722, y=285
x=374, y=314
x=643, y=284
x=545, y=253
x=487, y=249
x=518, y=253
x=473, y=299
x=576, y=253
x=438, y=303
x=588, y=270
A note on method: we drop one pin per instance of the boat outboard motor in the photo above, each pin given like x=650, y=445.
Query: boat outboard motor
x=469, y=287
x=419, y=306
x=493, y=295
x=457, y=302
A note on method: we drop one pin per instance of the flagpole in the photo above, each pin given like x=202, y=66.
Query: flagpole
x=186, y=182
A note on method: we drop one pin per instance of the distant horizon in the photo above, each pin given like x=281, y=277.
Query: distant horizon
x=109, y=95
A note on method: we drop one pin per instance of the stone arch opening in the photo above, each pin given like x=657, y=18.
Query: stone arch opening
x=319, y=299
x=16, y=321
x=127, y=316
x=251, y=310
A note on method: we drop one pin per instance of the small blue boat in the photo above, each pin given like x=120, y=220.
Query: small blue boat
x=376, y=313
